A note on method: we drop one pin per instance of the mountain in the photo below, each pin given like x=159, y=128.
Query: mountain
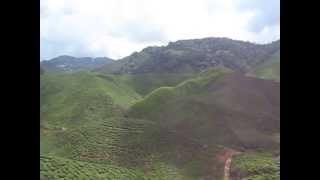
x=159, y=115
x=73, y=64
x=195, y=55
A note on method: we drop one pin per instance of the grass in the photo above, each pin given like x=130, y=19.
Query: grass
x=256, y=166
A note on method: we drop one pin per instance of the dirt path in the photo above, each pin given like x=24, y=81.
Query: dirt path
x=227, y=166
x=226, y=157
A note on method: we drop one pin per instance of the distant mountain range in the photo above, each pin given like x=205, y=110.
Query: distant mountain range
x=183, y=56
x=72, y=64
x=188, y=56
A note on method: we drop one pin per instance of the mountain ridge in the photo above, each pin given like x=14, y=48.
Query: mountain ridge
x=194, y=55
x=66, y=63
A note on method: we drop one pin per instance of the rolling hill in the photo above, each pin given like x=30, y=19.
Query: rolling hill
x=164, y=113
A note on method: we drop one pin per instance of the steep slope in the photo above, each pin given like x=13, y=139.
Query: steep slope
x=193, y=120
x=270, y=69
x=73, y=64
x=247, y=109
x=190, y=56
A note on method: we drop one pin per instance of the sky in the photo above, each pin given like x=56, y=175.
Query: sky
x=117, y=28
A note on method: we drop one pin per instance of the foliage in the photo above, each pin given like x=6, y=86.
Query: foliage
x=256, y=166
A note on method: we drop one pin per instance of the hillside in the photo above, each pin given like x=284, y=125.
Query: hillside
x=190, y=56
x=270, y=69
x=73, y=64
x=158, y=114
x=85, y=124
x=175, y=128
x=220, y=108
x=65, y=98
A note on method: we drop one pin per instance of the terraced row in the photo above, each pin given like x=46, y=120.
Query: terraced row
x=62, y=168
x=101, y=140
x=52, y=168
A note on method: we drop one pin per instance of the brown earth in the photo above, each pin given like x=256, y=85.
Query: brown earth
x=226, y=157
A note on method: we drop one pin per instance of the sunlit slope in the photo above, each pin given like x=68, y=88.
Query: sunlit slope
x=69, y=99
x=74, y=107
x=216, y=108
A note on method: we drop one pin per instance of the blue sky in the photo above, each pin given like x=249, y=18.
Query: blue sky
x=117, y=28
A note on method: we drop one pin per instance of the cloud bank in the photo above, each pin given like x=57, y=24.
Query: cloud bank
x=117, y=28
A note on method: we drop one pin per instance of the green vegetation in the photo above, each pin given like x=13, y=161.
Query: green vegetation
x=147, y=126
x=158, y=97
x=256, y=166
x=85, y=124
x=270, y=69
x=147, y=82
x=77, y=98
x=52, y=168
x=200, y=108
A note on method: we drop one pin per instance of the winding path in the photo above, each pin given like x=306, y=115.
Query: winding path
x=228, y=154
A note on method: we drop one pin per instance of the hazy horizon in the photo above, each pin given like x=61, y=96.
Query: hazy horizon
x=145, y=47
x=117, y=28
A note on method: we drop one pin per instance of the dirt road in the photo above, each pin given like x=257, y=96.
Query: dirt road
x=226, y=157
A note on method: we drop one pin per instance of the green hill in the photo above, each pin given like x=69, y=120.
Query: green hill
x=82, y=122
x=219, y=108
x=69, y=99
x=200, y=115
x=270, y=69
x=147, y=82
x=165, y=113
x=70, y=104
x=167, y=134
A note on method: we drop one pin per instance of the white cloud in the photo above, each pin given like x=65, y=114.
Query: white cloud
x=116, y=28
